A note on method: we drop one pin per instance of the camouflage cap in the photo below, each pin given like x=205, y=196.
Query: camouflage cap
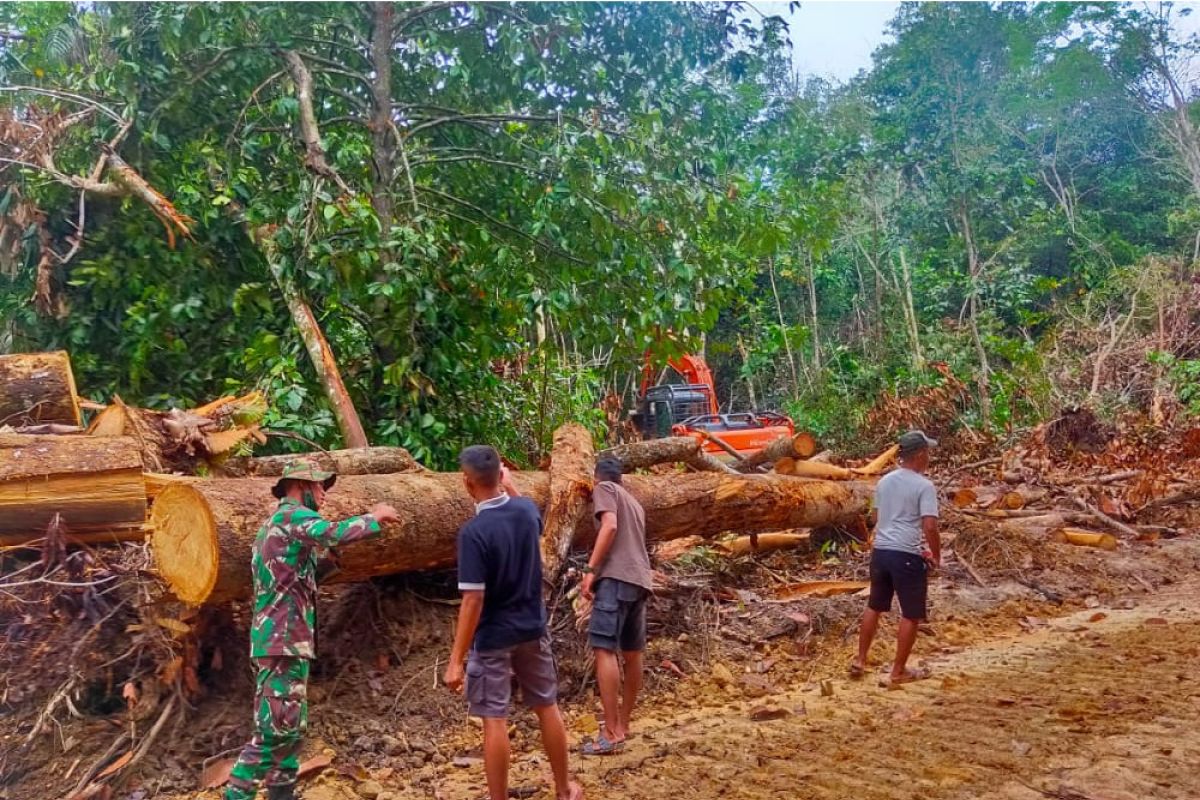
x=303, y=469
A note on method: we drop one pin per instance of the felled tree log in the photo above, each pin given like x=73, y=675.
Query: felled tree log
x=1085, y=538
x=572, y=461
x=203, y=531
x=809, y=469
x=359, y=461
x=671, y=450
x=185, y=441
x=880, y=462
x=764, y=542
x=801, y=445
x=38, y=388
x=647, y=453
x=94, y=483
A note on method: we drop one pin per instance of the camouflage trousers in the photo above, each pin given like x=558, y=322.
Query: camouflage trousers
x=280, y=719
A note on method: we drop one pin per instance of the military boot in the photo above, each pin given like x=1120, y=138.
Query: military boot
x=285, y=792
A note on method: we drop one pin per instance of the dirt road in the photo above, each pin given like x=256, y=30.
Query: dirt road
x=1097, y=705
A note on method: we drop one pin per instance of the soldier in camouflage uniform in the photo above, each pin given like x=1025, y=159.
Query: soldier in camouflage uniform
x=282, y=633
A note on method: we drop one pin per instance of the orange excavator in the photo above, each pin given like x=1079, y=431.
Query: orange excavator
x=691, y=409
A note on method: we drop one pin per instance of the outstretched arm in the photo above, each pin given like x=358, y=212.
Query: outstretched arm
x=316, y=530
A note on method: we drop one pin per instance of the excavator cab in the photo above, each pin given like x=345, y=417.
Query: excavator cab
x=664, y=407
x=691, y=409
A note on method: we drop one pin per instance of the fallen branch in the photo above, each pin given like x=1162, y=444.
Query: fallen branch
x=1184, y=496
x=724, y=445
x=1105, y=518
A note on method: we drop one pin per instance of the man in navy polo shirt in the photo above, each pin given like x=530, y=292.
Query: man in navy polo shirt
x=502, y=621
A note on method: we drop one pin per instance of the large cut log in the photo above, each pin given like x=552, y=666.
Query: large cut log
x=94, y=483
x=572, y=461
x=671, y=450
x=204, y=530
x=38, y=388
x=358, y=461
x=801, y=445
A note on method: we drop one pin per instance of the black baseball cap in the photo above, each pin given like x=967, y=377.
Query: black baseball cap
x=914, y=442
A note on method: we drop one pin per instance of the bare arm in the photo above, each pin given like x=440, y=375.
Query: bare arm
x=929, y=526
x=464, y=633
x=506, y=483
x=604, y=539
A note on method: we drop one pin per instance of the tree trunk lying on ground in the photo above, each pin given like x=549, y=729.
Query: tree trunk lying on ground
x=94, y=483
x=800, y=445
x=765, y=542
x=359, y=461
x=38, y=388
x=811, y=468
x=204, y=530
x=671, y=450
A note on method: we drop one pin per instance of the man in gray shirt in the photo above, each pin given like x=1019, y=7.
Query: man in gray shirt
x=617, y=580
x=906, y=546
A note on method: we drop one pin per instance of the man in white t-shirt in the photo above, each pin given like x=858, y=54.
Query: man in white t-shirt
x=906, y=547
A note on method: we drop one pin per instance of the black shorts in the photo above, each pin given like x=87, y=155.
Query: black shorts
x=901, y=574
x=618, y=616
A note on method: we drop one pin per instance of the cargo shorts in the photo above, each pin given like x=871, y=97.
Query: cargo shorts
x=618, y=616
x=490, y=676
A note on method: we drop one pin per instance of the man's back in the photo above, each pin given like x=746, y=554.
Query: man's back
x=902, y=498
x=627, y=560
x=499, y=554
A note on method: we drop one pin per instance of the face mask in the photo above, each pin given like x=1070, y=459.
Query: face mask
x=309, y=500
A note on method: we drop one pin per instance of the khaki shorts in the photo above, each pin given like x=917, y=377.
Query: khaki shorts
x=490, y=675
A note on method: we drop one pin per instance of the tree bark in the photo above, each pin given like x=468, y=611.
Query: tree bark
x=572, y=462
x=204, y=530
x=639, y=455
x=360, y=461
x=319, y=351
x=801, y=445
x=671, y=450
x=94, y=483
x=383, y=153
x=38, y=388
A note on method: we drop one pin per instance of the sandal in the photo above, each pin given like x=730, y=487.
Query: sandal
x=910, y=675
x=857, y=671
x=602, y=746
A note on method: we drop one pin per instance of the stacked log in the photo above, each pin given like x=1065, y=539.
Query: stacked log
x=95, y=483
x=36, y=389
x=357, y=461
x=204, y=531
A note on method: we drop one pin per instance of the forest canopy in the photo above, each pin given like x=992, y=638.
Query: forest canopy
x=484, y=213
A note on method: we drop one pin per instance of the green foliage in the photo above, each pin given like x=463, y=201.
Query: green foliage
x=556, y=179
x=1183, y=374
